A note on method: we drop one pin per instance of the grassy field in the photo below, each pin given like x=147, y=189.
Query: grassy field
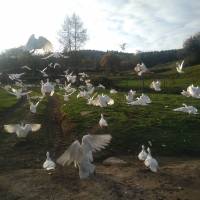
x=6, y=100
x=171, y=133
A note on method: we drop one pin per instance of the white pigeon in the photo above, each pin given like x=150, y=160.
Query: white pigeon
x=87, y=81
x=44, y=74
x=22, y=129
x=156, y=85
x=68, y=88
x=71, y=78
x=49, y=164
x=187, y=109
x=94, y=100
x=185, y=93
x=104, y=100
x=83, y=75
x=47, y=88
x=151, y=162
x=143, y=154
x=130, y=96
x=18, y=92
x=55, y=55
x=33, y=107
x=101, y=86
x=83, y=94
x=102, y=122
x=140, y=69
x=179, y=67
x=26, y=67
x=192, y=91
x=15, y=76
x=81, y=154
x=113, y=91
x=86, y=93
x=143, y=100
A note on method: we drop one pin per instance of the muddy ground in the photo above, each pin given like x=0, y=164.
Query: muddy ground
x=22, y=176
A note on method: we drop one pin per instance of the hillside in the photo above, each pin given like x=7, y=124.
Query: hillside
x=175, y=135
x=13, y=59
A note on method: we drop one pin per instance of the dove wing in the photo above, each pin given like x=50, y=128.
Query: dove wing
x=73, y=154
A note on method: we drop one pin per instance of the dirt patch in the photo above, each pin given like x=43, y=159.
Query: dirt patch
x=179, y=179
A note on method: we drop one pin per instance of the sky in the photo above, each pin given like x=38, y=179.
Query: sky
x=145, y=25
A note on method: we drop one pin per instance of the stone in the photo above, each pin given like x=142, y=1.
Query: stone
x=114, y=161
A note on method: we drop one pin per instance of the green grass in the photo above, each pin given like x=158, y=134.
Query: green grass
x=132, y=126
x=6, y=100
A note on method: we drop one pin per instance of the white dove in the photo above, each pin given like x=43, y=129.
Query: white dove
x=130, y=96
x=18, y=92
x=179, y=67
x=44, y=74
x=81, y=154
x=113, y=91
x=55, y=55
x=26, y=67
x=33, y=107
x=187, y=109
x=22, y=129
x=49, y=164
x=192, y=91
x=151, y=162
x=71, y=78
x=102, y=122
x=140, y=69
x=83, y=75
x=47, y=88
x=143, y=154
x=156, y=85
x=15, y=76
x=101, y=86
x=143, y=100
x=105, y=100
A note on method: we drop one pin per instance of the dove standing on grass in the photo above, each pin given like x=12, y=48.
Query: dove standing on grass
x=155, y=85
x=81, y=154
x=102, y=122
x=130, y=96
x=187, y=109
x=113, y=91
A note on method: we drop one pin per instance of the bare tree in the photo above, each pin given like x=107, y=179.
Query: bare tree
x=72, y=34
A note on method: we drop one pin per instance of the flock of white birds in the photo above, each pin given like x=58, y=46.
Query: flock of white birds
x=81, y=154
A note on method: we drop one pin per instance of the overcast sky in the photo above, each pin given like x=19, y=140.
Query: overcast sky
x=142, y=24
